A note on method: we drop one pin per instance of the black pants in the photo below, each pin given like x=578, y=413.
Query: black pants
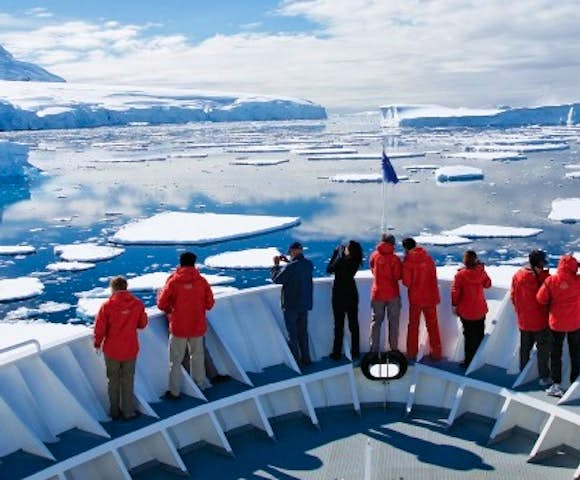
x=473, y=332
x=351, y=311
x=556, y=354
x=543, y=340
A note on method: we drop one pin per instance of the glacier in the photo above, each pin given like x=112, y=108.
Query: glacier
x=14, y=161
x=40, y=106
x=441, y=116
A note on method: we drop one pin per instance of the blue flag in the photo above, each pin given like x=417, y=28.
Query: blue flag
x=389, y=174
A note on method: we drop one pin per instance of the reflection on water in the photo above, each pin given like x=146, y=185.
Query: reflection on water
x=84, y=198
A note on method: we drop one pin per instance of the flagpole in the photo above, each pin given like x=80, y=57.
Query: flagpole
x=383, y=199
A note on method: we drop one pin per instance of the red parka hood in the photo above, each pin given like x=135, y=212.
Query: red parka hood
x=567, y=265
x=186, y=275
x=385, y=248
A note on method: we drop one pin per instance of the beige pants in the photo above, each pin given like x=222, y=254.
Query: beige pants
x=177, y=349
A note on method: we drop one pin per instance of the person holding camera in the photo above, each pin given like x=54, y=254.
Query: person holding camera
x=468, y=302
x=344, y=263
x=297, y=291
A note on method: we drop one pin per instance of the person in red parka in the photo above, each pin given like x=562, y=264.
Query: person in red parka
x=387, y=270
x=468, y=302
x=115, y=332
x=561, y=292
x=185, y=298
x=420, y=278
x=532, y=316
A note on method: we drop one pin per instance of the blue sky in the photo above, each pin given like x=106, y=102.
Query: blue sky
x=344, y=54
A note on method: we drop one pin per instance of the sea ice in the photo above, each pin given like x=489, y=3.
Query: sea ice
x=492, y=231
x=487, y=155
x=16, y=249
x=242, y=259
x=188, y=155
x=573, y=174
x=46, y=307
x=573, y=166
x=156, y=158
x=87, y=252
x=441, y=240
x=69, y=266
x=259, y=149
x=565, y=210
x=12, y=289
x=260, y=163
x=361, y=178
x=501, y=275
x=455, y=173
x=538, y=147
x=324, y=151
x=89, y=307
x=421, y=167
x=345, y=156
x=198, y=228
x=155, y=281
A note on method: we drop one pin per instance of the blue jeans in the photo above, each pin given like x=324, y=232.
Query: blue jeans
x=297, y=327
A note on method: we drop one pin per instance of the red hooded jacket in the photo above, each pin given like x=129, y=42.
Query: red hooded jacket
x=185, y=298
x=532, y=316
x=116, y=326
x=420, y=278
x=467, y=292
x=387, y=271
x=561, y=292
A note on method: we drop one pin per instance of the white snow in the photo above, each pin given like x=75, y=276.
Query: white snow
x=573, y=166
x=345, y=156
x=441, y=240
x=16, y=249
x=455, y=173
x=92, y=105
x=565, y=210
x=46, y=307
x=87, y=252
x=488, y=155
x=324, y=151
x=12, y=289
x=131, y=159
x=69, y=266
x=188, y=155
x=241, y=259
x=573, y=174
x=14, y=159
x=472, y=230
x=260, y=163
x=198, y=228
x=362, y=178
x=89, y=307
x=539, y=147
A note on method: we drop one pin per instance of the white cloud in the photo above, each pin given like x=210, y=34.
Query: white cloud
x=365, y=53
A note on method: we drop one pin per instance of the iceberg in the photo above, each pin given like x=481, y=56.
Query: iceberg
x=16, y=70
x=14, y=160
x=566, y=210
x=87, y=252
x=243, y=259
x=198, y=228
x=39, y=106
x=16, y=249
x=458, y=173
x=440, y=116
x=472, y=230
x=12, y=289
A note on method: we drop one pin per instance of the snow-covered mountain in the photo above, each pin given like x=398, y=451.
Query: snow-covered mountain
x=15, y=70
x=36, y=105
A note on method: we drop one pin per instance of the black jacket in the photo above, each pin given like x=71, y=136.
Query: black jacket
x=344, y=289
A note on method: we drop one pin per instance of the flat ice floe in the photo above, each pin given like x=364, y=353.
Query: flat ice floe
x=361, y=178
x=70, y=266
x=242, y=259
x=12, y=289
x=421, y=167
x=474, y=230
x=43, y=308
x=441, y=240
x=198, y=228
x=259, y=149
x=156, y=280
x=573, y=174
x=565, y=210
x=87, y=252
x=16, y=249
x=488, y=155
x=346, y=156
x=458, y=173
x=188, y=155
x=260, y=163
x=573, y=166
x=324, y=151
x=536, y=147
x=131, y=159
x=89, y=307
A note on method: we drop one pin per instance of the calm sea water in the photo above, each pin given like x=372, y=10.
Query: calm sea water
x=79, y=198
